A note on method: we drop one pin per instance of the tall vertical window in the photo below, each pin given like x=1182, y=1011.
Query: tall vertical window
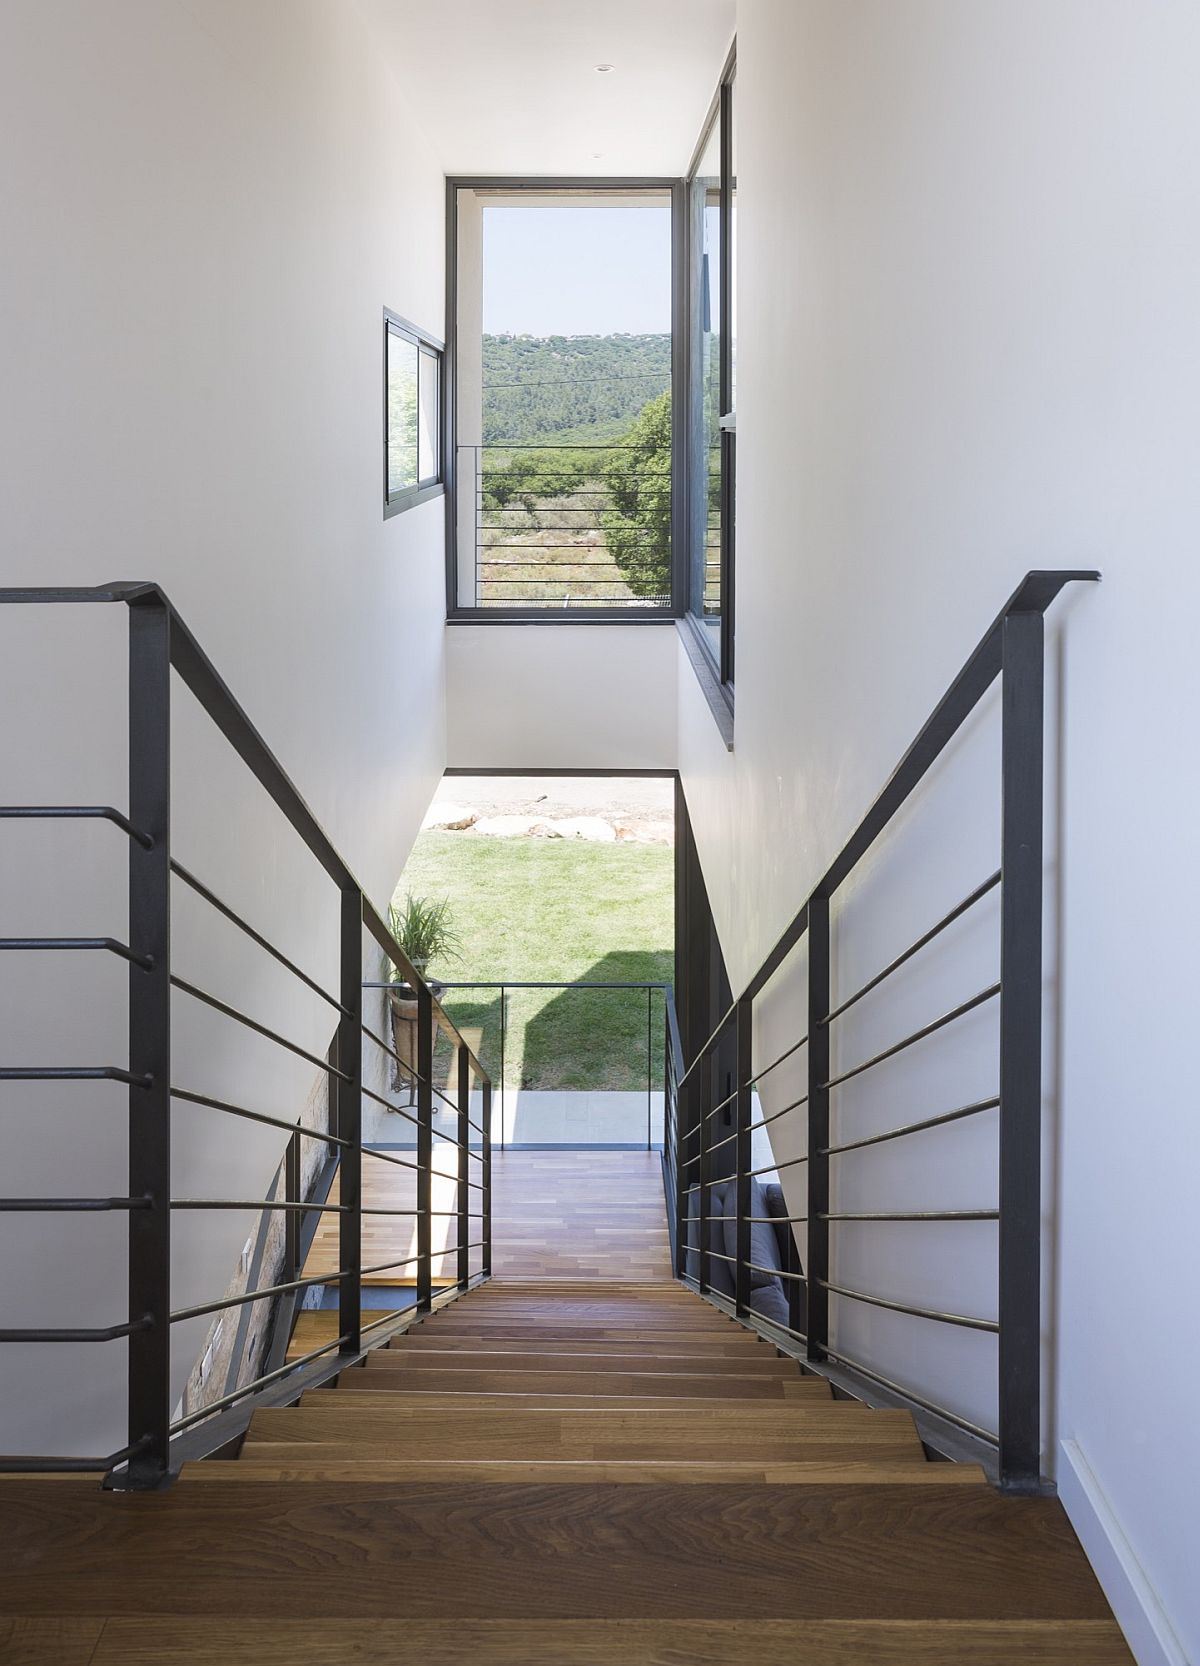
x=412, y=374
x=563, y=459
x=712, y=350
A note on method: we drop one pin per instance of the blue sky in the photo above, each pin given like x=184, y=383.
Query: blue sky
x=577, y=271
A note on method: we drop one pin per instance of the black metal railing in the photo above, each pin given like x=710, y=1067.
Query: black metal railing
x=568, y=526
x=652, y=1045
x=724, y=1095
x=161, y=648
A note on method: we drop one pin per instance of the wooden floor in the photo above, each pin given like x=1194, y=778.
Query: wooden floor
x=574, y=1472
x=574, y=1214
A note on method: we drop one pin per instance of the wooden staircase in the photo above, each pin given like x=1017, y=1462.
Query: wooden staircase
x=556, y=1474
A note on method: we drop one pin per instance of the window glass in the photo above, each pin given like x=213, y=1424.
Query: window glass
x=706, y=383
x=428, y=445
x=402, y=448
x=731, y=403
x=563, y=418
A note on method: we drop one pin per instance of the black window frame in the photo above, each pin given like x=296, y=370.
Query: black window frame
x=617, y=615
x=434, y=485
x=717, y=658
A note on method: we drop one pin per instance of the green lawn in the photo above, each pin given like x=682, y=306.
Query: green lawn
x=555, y=909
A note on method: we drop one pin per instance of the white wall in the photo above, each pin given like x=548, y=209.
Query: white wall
x=968, y=346
x=206, y=207
x=569, y=697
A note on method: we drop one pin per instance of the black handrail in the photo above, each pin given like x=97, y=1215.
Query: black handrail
x=1012, y=650
x=160, y=644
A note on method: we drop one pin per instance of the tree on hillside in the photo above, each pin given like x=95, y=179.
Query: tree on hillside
x=637, y=527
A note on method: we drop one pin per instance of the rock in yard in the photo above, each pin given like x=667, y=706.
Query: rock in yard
x=448, y=818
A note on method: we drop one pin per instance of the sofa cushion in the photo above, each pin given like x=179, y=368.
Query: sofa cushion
x=721, y=1201
x=764, y=1244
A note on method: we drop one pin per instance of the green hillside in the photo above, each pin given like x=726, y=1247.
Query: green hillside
x=539, y=389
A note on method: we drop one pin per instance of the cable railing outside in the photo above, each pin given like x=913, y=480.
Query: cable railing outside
x=573, y=526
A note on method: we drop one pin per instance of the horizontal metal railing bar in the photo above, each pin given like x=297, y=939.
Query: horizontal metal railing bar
x=227, y=1011
x=197, y=671
x=237, y=1394
x=76, y=812
x=776, y=1272
x=928, y=937
x=387, y=1266
x=386, y=1157
x=261, y=1204
x=73, y=1073
x=258, y=1116
x=574, y=445
x=775, y=1063
x=777, y=1220
x=775, y=1115
x=721, y=1104
x=916, y=1215
x=397, y=1110
x=378, y=929
x=380, y=1042
x=751, y=1319
x=103, y=1333
x=726, y=1141
x=773, y=1168
x=721, y=1023
x=913, y=1127
x=33, y=1464
x=918, y=1035
x=413, y=1077
x=1035, y=593
x=966, y=1321
x=210, y=897
x=197, y=1312
x=839, y=1358
x=69, y=1205
x=110, y=945
x=714, y=1254
x=510, y=983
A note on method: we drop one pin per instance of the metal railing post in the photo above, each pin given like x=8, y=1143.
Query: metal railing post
x=149, y=1279
x=347, y=1097
x=503, y=1039
x=1022, y=720
x=424, y=1148
x=486, y=1222
x=650, y=1066
x=704, y=1195
x=293, y=1220
x=744, y=1054
x=464, y=1191
x=818, y=1126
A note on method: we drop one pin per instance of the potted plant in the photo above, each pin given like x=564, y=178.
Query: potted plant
x=423, y=929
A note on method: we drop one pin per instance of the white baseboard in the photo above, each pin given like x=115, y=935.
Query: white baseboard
x=1134, y=1600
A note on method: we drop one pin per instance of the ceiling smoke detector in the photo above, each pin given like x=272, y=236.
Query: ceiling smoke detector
x=605, y=69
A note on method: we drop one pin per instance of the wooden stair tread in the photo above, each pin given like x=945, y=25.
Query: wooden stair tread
x=521, y=1552
x=670, y=1384
x=167, y=1641
x=316, y=1462
x=537, y=1475
x=550, y=1359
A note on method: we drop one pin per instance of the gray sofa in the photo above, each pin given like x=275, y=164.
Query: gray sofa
x=771, y=1247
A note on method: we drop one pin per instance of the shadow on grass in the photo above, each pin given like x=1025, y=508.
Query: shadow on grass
x=577, y=1040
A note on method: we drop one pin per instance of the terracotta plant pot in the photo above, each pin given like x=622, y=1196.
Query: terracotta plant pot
x=404, y=1008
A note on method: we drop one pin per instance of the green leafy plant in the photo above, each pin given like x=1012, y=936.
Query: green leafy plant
x=422, y=927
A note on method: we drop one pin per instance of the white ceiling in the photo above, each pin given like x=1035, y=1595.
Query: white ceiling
x=510, y=86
